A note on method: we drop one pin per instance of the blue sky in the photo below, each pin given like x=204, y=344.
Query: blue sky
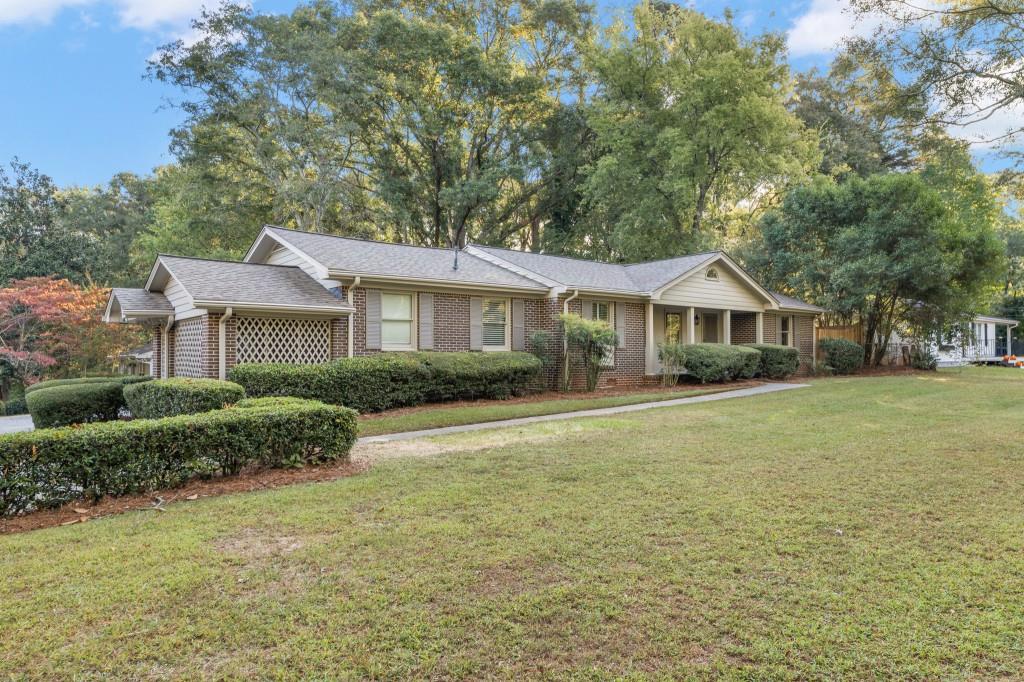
x=76, y=104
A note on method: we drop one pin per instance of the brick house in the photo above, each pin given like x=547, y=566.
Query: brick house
x=301, y=297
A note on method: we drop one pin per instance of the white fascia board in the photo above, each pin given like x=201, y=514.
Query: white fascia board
x=367, y=279
x=733, y=266
x=277, y=308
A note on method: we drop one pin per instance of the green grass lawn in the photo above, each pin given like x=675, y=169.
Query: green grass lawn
x=434, y=417
x=860, y=529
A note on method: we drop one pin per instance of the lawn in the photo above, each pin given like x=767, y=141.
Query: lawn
x=861, y=529
x=488, y=411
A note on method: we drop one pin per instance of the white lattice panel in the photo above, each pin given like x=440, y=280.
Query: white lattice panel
x=281, y=339
x=189, y=348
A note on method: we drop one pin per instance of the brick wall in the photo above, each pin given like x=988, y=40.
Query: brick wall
x=451, y=322
x=630, y=360
x=744, y=327
x=158, y=359
x=339, y=338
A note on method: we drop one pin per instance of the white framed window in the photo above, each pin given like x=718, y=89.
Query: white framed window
x=605, y=311
x=786, y=330
x=397, y=321
x=496, y=327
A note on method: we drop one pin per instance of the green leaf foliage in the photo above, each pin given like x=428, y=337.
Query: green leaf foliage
x=50, y=467
x=842, y=356
x=588, y=343
x=710, y=362
x=123, y=380
x=169, y=397
x=777, y=362
x=75, y=404
x=387, y=380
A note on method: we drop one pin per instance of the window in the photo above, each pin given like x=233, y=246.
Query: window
x=786, y=330
x=604, y=311
x=397, y=322
x=711, y=274
x=673, y=328
x=495, y=324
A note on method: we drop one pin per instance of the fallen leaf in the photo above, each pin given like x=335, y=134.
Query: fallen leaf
x=193, y=497
x=79, y=510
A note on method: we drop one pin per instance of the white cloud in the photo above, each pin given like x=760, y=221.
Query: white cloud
x=824, y=26
x=145, y=15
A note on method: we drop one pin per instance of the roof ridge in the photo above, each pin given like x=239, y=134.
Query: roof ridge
x=230, y=262
x=364, y=239
x=599, y=262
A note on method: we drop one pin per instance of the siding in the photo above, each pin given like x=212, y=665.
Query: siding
x=178, y=297
x=282, y=255
x=728, y=291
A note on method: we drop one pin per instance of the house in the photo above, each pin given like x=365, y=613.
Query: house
x=301, y=297
x=988, y=340
x=137, y=361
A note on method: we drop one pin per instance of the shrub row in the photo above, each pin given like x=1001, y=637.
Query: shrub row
x=387, y=380
x=777, y=362
x=719, y=362
x=123, y=380
x=50, y=467
x=170, y=397
x=67, y=404
x=842, y=356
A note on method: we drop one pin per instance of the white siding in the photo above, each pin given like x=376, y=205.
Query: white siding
x=282, y=255
x=727, y=292
x=178, y=297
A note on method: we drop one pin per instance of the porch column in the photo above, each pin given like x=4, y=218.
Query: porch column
x=758, y=327
x=727, y=327
x=650, y=355
x=1009, y=340
x=691, y=330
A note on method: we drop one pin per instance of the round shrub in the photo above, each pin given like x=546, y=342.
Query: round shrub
x=170, y=397
x=16, y=405
x=721, y=362
x=69, y=404
x=123, y=380
x=842, y=356
x=777, y=362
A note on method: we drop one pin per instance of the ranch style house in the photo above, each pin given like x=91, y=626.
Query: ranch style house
x=302, y=297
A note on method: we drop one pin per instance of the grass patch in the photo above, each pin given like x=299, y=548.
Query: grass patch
x=416, y=419
x=865, y=528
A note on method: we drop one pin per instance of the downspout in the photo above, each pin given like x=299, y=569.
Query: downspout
x=222, y=339
x=565, y=343
x=351, y=316
x=164, y=336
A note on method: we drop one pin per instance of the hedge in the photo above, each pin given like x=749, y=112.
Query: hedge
x=123, y=380
x=51, y=467
x=388, y=380
x=64, y=404
x=842, y=356
x=170, y=397
x=721, y=362
x=777, y=362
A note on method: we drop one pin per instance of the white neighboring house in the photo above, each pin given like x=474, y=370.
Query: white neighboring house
x=982, y=345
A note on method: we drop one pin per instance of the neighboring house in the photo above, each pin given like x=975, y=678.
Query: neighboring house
x=988, y=340
x=137, y=361
x=301, y=297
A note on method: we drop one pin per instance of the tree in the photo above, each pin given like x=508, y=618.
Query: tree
x=878, y=251
x=33, y=240
x=962, y=59
x=691, y=120
x=588, y=343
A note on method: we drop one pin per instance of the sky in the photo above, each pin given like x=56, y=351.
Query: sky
x=75, y=103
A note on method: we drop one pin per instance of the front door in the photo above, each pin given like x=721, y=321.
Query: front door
x=709, y=321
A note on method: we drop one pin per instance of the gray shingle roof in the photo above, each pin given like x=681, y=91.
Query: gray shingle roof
x=140, y=300
x=217, y=281
x=586, y=274
x=360, y=256
x=795, y=303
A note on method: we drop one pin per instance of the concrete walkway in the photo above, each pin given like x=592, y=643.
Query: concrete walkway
x=15, y=423
x=600, y=412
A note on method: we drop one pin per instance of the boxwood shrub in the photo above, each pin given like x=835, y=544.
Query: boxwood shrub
x=66, y=404
x=124, y=380
x=777, y=361
x=50, y=467
x=169, y=397
x=388, y=380
x=720, y=362
x=842, y=356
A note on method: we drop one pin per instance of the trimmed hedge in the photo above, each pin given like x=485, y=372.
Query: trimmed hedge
x=387, y=380
x=123, y=380
x=777, y=361
x=67, y=404
x=51, y=467
x=170, y=397
x=842, y=356
x=721, y=362
x=16, y=405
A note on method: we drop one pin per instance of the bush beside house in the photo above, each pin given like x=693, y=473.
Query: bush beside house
x=777, y=362
x=169, y=397
x=51, y=383
x=50, y=467
x=67, y=404
x=387, y=380
x=842, y=356
x=710, y=362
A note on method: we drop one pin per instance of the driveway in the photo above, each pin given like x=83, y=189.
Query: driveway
x=18, y=422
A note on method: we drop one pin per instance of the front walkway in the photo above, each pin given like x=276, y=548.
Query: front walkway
x=600, y=412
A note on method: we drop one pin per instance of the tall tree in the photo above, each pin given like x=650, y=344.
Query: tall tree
x=691, y=120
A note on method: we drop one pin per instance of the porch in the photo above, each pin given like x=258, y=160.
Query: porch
x=690, y=324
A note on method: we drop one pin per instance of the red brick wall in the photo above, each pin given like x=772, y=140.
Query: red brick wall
x=339, y=338
x=630, y=361
x=744, y=328
x=156, y=365
x=451, y=322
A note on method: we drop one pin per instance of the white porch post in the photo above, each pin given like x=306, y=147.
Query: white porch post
x=759, y=327
x=691, y=331
x=651, y=357
x=727, y=327
x=1009, y=340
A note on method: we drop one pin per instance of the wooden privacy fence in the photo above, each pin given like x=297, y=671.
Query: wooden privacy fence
x=850, y=332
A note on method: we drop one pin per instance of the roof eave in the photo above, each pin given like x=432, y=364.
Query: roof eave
x=277, y=307
x=425, y=281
